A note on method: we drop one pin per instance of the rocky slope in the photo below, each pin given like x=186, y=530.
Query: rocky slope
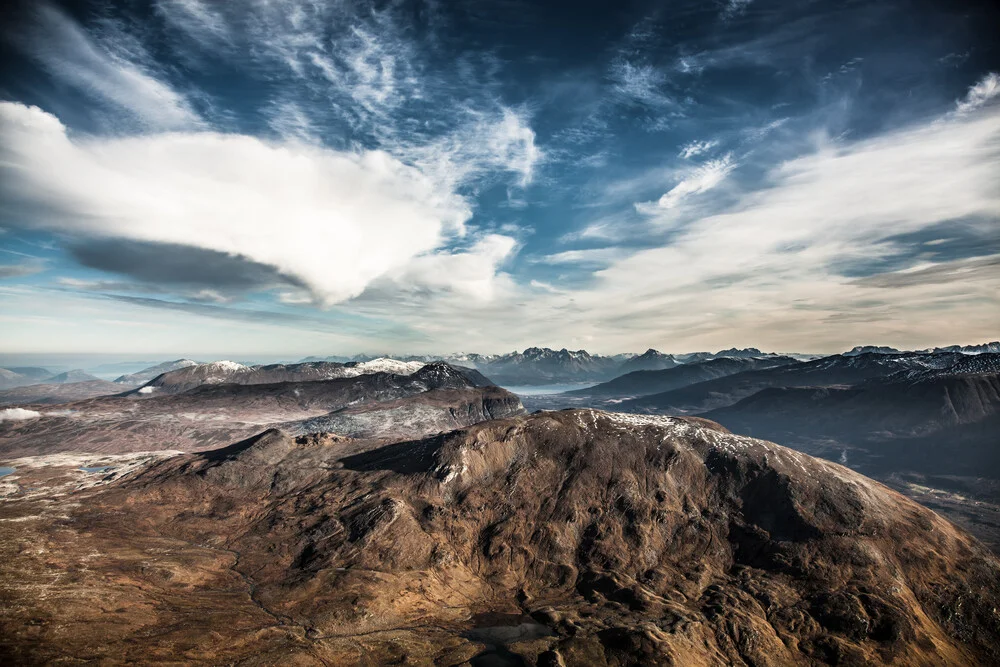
x=656, y=541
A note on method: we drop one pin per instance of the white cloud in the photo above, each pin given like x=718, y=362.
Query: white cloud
x=109, y=74
x=639, y=82
x=699, y=180
x=695, y=148
x=18, y=414
x=980, y=94
x=602, y=256
x=289, y=121
x=335, y=220
x=196, y=18
x=470, y=273
x=482, y=144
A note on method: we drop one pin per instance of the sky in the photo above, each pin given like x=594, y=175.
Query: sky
x=276, y=177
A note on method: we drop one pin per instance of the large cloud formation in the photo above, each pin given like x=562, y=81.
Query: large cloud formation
x=333, y=220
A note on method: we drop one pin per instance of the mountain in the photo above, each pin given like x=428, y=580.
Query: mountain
x=985, y=348
x=898, y=423
x=541, y=365
x=436, y=397
x=871, y=349
x=641, y=383
x=229, y=372
x=33, y=373
x=656, y=541
x=72, y=376
x=733, y=352
x=147, y=374
x=833, y=370
x=20, y=376
x=650, y=360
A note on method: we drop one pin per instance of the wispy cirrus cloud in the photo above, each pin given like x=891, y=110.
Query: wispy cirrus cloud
x=109, y=67
x=980, y=94
x=701, y=179
x=695, y=148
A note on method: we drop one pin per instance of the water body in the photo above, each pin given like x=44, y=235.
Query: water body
x=497, y=632
x=546, y=389
x=96, y=469
x=4, y=471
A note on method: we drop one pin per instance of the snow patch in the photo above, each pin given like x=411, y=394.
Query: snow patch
x=227, y=366
x=385, y=365
x=147, y=390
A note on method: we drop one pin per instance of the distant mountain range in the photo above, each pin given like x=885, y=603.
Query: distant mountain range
x=542, y=365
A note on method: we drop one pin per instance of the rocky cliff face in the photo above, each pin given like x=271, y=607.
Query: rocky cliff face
x=591, y=538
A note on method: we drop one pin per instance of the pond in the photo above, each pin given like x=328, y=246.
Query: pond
x=498, y=631
x=4, y=471
x=96, y=469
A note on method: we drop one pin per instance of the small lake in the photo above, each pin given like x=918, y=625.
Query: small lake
x=546, y=389
x=497, y=631
x=96, y=469
x=4, y=471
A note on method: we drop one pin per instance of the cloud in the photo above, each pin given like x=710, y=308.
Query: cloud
x=978, y=269
x=735, y=8
x=768, y=266
x=165, y=264
x=470, y=273
x=290, y=122
x=695, y=148
x=640, y=83
x=980, y=94
x=18, y=414
x=106, y=70
x=333, y=221
x=195, y=18
x=699, y=180
x=598, y=256
x=482, y=144
x=20, y=270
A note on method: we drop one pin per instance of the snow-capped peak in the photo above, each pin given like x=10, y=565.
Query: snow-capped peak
x=225, y=366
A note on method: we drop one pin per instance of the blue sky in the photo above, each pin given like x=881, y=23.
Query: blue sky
x=291, y=178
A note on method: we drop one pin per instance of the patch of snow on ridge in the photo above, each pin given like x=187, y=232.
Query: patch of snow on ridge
x=147, y=390
x=18, y=414
x=224, y=365
x=384, y=365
